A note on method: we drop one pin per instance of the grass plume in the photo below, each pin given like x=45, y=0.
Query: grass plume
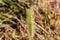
x=30, y=21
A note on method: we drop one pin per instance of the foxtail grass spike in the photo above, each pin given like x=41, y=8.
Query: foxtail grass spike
x=30, y=21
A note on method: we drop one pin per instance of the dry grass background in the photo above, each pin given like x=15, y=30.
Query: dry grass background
x=13, y=19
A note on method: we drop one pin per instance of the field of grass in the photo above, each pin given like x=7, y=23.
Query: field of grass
x=29, y=19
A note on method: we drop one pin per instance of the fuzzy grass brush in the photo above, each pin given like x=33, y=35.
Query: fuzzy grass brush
x=30, y=21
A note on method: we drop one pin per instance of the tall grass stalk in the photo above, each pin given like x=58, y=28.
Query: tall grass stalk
x=30, y=22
